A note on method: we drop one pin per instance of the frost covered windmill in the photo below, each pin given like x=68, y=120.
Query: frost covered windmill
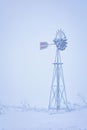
x=58, y=97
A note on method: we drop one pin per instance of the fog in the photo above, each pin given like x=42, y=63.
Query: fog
x=25, y=70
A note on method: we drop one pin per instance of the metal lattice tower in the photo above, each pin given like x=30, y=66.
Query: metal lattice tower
x=58, y=98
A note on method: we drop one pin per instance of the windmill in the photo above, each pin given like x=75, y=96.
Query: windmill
x=58, y=97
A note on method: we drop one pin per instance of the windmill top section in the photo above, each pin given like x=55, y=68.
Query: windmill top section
x=60, y=40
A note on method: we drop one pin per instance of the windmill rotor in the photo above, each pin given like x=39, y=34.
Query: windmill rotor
x=60, y=40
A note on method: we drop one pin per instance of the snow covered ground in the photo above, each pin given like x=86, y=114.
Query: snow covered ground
x=20, y=119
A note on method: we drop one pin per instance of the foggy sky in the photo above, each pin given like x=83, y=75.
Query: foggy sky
x=25, y=71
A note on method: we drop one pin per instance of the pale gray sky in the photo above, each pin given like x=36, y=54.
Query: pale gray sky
x=25, y=71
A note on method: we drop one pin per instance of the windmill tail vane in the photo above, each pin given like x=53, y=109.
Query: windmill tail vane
x=43, y=45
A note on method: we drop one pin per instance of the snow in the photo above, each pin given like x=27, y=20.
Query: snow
x=18, y=119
